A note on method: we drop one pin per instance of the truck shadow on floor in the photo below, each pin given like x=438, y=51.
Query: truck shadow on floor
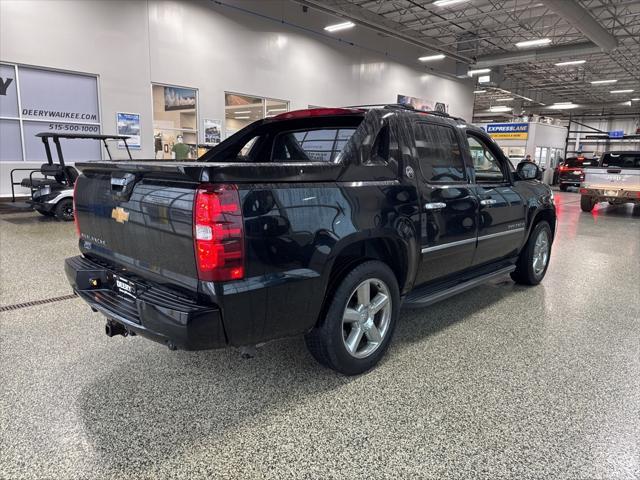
x=145, y=410
x=625, y=210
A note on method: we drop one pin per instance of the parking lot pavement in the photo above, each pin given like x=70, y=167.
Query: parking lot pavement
x=504, y=381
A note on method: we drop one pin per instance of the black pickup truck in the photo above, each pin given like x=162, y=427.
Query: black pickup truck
x=320, y=222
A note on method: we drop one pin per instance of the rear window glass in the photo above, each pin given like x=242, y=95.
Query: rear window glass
x=574, y=162
x=317, y=145
x=623, y=160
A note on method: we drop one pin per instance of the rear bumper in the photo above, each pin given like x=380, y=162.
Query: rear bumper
x=604, y=194
x=571, y=179
x=152, y=312
x=574, y=182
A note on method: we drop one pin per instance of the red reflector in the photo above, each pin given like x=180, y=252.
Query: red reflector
x=76, y=221
x=317, y=112
x=218, y=232
x=584, y=191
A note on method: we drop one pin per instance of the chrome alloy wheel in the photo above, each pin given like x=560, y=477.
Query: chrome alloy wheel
x=366, y=319
x=541, y=253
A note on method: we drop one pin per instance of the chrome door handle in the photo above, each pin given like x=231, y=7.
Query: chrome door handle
x=487, y=202
x=435, y=206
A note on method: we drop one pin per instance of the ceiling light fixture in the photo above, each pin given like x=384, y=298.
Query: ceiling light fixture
x=628, y=90
x=602, y=82
x=242, y=118
x=563, y=106
x=508, y=99
x=339, y=26
x=571, y=62
x=533, y=43
x=444, y=3
x=527, y=99
x=635, y=99
x=241, y=112
x=484, y=79
x=479, y=91
x=430, y=58
x=471, y=73
x=276, y=110
x=500, y=108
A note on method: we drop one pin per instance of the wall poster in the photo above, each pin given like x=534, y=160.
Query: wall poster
x=212, y=131
x=129, y=124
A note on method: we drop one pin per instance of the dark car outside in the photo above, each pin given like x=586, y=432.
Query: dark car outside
x=571, y=171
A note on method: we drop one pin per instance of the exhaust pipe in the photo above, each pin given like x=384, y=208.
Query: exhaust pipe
x=114, y=328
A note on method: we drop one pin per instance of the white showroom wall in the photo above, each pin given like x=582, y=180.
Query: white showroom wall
x=264, y=48
x=628, y=125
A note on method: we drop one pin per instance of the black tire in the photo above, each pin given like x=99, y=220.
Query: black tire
x=563, y=187
x=64, y=210
x=326, y=341
x=587, y=203
x=525, y=273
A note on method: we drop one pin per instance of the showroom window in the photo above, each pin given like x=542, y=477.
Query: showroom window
x=241, y=110
x=35, y=100
x=541, y=156
x=175, y=122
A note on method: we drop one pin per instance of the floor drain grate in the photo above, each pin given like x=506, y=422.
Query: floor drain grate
x=17, y=306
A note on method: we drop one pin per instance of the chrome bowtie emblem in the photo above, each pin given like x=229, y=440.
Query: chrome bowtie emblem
x=120, y=215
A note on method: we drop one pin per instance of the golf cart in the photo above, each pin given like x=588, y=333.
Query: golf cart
x=52, y=192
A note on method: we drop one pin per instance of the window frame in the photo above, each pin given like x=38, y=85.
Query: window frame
x=22, y=119
x=465, y=177
x=385, y=130
x=505, y=165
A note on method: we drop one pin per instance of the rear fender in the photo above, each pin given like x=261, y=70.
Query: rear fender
x=397, y=247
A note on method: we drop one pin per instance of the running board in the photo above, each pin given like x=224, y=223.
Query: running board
x=417, y=299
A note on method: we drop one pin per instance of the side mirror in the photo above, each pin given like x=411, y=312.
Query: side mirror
x=528, y=171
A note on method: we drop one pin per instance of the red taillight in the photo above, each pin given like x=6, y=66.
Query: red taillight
x=76, y=221
x=318, y=112
x=584, y=191
x=218, y=233
x=563, y=168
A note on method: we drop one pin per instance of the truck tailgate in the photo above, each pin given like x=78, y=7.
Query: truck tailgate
x=627, y=179
x=140, y=222
x=139, y=215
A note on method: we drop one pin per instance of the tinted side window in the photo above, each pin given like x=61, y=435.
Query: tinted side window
x=321, y=145
x=623, y=160
x=486, y=165
x=438, y=153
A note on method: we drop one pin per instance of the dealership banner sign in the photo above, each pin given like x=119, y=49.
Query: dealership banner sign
x=35, y=100
x=508, y=131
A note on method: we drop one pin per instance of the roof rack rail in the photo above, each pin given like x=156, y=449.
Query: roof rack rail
x=383, y=105
x=402, y=106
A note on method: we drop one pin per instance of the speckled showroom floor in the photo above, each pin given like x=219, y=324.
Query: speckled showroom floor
x=501, y=382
